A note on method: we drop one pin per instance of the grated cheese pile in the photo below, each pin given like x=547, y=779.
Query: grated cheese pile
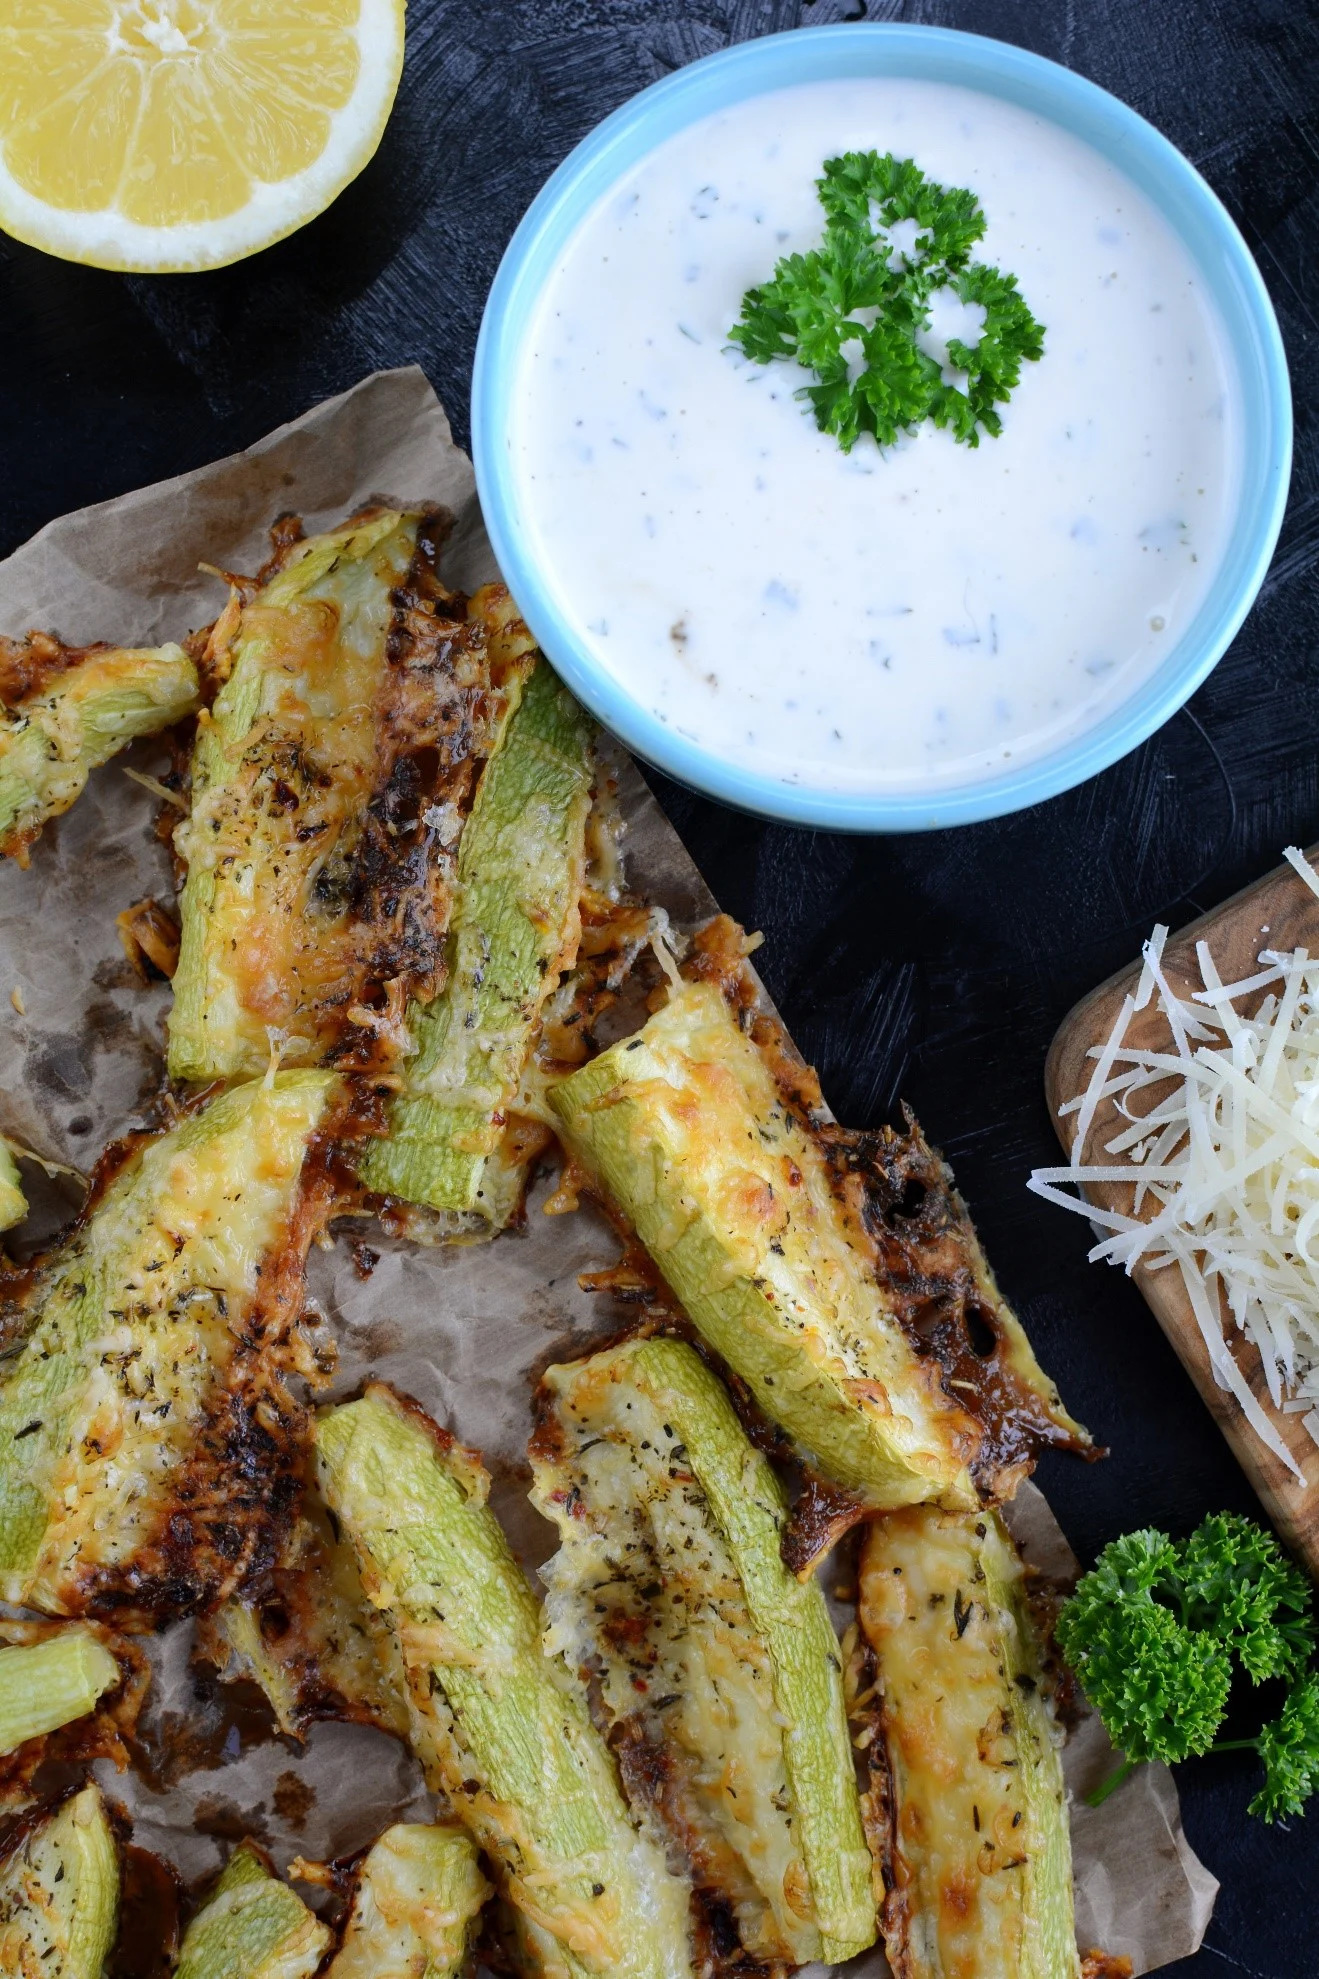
x=1225, y=1148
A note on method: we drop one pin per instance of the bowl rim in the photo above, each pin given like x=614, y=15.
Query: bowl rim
x=1232, y=279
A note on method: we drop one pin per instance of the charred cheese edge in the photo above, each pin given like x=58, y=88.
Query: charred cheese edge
x=719, y=1666
x=330, y=781
x=309, y=1638
x=686, y=1130
x=144, y=1430
x=252, y=1927
x=59, y=1893
x=515, y=928
x=969, y=1784
x=414, y=1912
x=46, y=1684
x=1020, y=1361
x=500, y=1727
x=51, y=740
x=905, y=1214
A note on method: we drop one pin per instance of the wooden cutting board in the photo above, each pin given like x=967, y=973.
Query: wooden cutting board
x=1279, y=912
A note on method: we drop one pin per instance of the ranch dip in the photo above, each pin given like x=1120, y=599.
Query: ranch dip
x=926, y=614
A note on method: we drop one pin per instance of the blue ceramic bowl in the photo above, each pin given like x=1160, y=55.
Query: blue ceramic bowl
x=995, y=69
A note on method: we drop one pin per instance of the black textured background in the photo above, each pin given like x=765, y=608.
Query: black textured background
x=933, y=967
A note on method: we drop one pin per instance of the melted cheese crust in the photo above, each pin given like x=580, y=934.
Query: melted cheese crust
x=286, y=764
x=982, y=1861
x=645, y=1592
x=331, y=780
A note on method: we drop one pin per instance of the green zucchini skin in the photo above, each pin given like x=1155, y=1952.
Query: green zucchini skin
x=501, y=1728
x=515, y=926
x=685, y=1129
x=149, y=1447
x=252, y=1927
x=59, y=1893
x=44, y=1685
x=13, y=1203
x=416, y=1906
x=670, y=1584
x=968, y=1807
x=52, y=739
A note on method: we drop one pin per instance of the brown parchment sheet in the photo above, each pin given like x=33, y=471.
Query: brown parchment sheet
x=465, y=1330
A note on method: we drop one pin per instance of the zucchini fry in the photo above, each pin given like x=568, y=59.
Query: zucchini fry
x=66, y=710
x=419, y=1893
x=687, y=1131
x=719, y=1670
x=498, y=1724
x=59, y=1893
x=330, y=782
x=521, y=866
x=70, y=1693
x=252, y=1927
x=149, y=1447
x=44, y=1685
x=968, y=1809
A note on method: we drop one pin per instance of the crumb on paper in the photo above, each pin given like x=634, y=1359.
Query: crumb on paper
x=364, y=1258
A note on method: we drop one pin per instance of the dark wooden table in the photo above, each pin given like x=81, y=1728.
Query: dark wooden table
x=934, y=968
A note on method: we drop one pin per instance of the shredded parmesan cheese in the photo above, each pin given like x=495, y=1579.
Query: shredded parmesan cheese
x=157, y=788
x=1222, y=1144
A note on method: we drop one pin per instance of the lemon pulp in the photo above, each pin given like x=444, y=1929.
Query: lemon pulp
x=184, y=133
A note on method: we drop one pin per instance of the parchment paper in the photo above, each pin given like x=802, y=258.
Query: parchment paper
x=465, y=1330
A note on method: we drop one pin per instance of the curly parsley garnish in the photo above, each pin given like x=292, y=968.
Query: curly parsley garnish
x=1158, y=1632
x=854, y=309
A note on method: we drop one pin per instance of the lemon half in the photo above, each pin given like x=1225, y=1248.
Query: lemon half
x=167, y=135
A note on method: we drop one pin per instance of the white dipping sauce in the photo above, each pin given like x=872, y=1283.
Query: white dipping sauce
x=925, y=615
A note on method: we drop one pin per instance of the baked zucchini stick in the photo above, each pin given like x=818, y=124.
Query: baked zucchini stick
x=252, y=1927
x=419, y=1894
x=149, y=1449
x=13, y=1203
x=330, y=781
x=81, y=706
x=500, y=1727
x=44, y=1685
x=686, y=1130
x=968, y=1805
x=718, y=1667
x=59, y=1893
x=521, y=866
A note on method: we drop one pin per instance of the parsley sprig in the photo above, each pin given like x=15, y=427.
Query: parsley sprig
x=1157, y=1632
x=856, y=290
